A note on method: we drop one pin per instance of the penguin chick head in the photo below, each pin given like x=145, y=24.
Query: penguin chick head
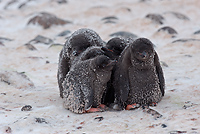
x=104, y=63
x=92, y=53
x=114, y=47
x=79, y=43
x=142, y=49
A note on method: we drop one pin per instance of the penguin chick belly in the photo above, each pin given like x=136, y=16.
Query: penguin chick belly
x=144, y=86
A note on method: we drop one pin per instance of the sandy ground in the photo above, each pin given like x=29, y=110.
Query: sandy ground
x=180, y=106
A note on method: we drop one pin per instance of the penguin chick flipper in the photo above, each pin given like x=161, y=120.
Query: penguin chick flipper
x=122, y=85
x=63, y=69
x=159, y=73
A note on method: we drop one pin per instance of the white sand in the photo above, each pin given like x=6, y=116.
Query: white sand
x=182, y=76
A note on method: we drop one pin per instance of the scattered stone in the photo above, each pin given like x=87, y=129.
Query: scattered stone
x=29, y=46
x=168, y=29
x=5, y=39
x=163, y=64
x=41, y=39
x=187, y=55
x=153, y=112
x=40, y=120
x=177, y=132
x=188, y=104
x=185, y=40
x=26, y=108
x=47, y=62
x=10, y=3
x=46, y=20
x=197, y=32
x=80, y=127
x=179, y=15
x=1, y=44
x=110, y=18
x=55, y=45
x=8, y=129
x=156, y=18
x=61, y=1
x=3, y=93
x=99, y=118
x=163, y=126
x=124, y=35
x=16, y=79
x=64, y=33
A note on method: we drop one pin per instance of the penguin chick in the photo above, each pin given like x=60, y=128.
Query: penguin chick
x=78, y=42
x=85, y=83
x=138, y=78
x=114, y=47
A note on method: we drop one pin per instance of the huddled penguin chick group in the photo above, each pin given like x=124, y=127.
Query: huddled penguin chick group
x=120, y=74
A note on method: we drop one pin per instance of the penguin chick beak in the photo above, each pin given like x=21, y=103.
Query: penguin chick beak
x=144, y=55
x=106, y=49
x=112, y=63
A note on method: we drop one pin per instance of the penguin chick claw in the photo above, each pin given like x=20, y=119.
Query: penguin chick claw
x=132, y=106
x=153, y=104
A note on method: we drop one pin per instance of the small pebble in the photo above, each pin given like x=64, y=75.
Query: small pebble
x=8, y=130
x=163, y=126
x=156, y=18
x=40, y=120
x=26, y=108
x=99, y=118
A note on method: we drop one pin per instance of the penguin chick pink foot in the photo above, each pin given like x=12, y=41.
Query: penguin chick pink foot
x=132, y=106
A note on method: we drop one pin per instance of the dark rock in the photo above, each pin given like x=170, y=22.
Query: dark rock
x=56, y=44
x=185, y=40
x=1, y=44
x=110, y=21
x=16, y=79
x=5, y=39
x=46, y=20
x=123, y=34
x=187, y=55
x=99, y=118
x=30, y=47
x=26, y=108
x=41, y=39
x=110, y=18
x=11, y=2
x=170, y=30
x=47, y=62
x=64, y=33
x=156, y=18
x=153, y=112
x=61, y=1
x=179, y=15
x=163, y=64
x=40, y=120
x=197, y=32
x=177, y=132
x=163, y=126
x=8, y=130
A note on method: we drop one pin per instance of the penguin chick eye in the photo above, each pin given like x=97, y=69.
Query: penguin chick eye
x=143, y=55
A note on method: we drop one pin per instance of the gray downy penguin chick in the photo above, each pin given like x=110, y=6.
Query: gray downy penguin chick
x=113, y=49
x=86, y=81
x=138, y=78
x=78, y=42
